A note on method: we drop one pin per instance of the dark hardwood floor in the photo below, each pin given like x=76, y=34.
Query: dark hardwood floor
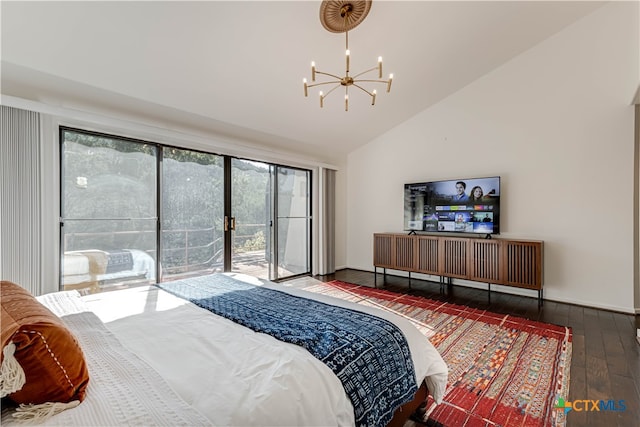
x=605, y=363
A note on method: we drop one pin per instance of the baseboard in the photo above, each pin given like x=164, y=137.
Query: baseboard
x=605, y=307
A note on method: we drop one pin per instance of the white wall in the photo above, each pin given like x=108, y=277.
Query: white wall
x=557, y=124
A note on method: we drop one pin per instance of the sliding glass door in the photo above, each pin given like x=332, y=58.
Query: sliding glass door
x=134, y=212
x=108, y=212
x=270, y=220
x=250, y=220
x=192, y=206
x=293, y=226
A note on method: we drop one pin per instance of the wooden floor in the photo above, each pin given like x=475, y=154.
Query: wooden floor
x=606, y=355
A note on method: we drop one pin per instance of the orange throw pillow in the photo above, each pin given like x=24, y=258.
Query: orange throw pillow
x=50, y=356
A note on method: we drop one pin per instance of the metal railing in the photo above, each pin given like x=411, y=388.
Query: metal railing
x=178, y=258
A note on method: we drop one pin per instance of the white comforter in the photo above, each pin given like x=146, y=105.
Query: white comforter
x=232, y=375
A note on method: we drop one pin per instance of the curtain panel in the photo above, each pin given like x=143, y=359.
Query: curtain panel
x=20, y=198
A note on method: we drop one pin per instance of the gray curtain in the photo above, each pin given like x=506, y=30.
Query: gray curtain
x=20, y=198
x=328, y=195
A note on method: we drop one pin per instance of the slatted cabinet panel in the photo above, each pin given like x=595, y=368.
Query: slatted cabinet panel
x=523, y=264
x=428, y=255
x=383, y=250
x=453, y=257
x=405, y=253
x=486, y=261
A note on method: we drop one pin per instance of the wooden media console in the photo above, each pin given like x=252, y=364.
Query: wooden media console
x=504, y=262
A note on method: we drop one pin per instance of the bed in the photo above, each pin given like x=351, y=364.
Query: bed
x=155, y=358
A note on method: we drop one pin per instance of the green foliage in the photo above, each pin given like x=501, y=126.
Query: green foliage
x=257, y=242
x=109, y=199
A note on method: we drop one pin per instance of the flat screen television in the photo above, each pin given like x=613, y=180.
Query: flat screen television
x=456, y=205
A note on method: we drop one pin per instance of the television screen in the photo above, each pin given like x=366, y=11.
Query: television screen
x=457, y=205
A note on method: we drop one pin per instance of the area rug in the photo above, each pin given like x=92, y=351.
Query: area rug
x=503, y=370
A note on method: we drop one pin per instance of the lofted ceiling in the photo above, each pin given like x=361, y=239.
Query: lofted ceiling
x=236, y=67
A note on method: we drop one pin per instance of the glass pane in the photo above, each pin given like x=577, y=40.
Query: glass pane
x=192, y=214
x=293, y=193
x=109, y=212
x=294, y=204
x=107, y=177
x=250, y=199
x=293, y=246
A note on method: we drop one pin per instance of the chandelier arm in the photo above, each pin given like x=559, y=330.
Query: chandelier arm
x=363, y=89
x=365, y=72
x=328, y=74
x=372, y=81
x=323, y=83
x=332, y=89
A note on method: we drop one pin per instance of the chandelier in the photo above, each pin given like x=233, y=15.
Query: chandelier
x=340, y=16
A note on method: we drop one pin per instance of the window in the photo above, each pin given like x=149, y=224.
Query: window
x=127, y=204
x=192, y=211
x=108, y=211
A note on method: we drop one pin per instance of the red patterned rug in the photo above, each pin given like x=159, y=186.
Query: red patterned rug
x=503, y=370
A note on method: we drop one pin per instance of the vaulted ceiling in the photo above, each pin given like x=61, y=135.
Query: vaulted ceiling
x=236, y=67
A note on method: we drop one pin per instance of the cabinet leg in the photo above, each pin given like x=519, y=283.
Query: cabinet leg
x=489, y=289
x=375, y=277
x=540, y=298
x=409, y=280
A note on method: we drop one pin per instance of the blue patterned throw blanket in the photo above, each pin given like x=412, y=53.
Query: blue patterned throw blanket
x=368, y=354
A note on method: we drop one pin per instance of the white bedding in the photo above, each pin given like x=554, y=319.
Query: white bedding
x=123, y=389
x=232, y=375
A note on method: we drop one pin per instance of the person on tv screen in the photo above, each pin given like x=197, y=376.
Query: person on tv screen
x=460, y=195
x=476, y=194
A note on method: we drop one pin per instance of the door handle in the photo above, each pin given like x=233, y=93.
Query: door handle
x=226, y=223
